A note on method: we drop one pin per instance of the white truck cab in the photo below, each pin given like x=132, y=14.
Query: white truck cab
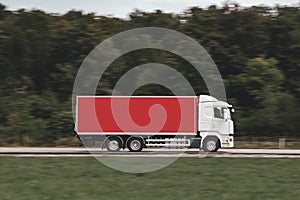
x=215, y=124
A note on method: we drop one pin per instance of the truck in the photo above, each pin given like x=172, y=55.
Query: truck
x=137, y=122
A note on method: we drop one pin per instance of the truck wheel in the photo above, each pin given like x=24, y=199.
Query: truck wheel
x=113, y=144
x=135, y=144
x=211, y=144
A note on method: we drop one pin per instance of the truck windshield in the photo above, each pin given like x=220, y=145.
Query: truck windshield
x=221, y=112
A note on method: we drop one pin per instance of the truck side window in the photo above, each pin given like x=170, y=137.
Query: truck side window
x=218, y=113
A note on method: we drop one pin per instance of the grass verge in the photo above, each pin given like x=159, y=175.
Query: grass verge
x=187, y=178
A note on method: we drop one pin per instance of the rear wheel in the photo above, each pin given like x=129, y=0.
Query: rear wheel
x=211, y=144
x=113, y=144
x=135, y=144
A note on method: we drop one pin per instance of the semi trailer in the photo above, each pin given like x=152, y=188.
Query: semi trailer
x=137, y=122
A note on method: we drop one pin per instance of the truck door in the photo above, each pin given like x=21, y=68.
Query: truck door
x=214, y=118
x=219, y=120
x=222, y=120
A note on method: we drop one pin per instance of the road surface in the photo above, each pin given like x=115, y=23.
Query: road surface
x=83, y=152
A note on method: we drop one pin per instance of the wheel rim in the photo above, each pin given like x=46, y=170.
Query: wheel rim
x=211, y=145
x=113, y=145
x=135, y=145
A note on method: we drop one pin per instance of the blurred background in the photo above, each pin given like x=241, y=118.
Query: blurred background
x=255, y=48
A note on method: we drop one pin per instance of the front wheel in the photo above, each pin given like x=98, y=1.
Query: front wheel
x=135, y=144
x=211, y=144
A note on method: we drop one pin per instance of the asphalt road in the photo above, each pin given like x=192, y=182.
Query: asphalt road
x=83, y=152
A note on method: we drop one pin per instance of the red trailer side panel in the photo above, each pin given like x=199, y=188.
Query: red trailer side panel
x=136, y=114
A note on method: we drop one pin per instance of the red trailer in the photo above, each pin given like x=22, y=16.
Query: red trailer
x=139, y=121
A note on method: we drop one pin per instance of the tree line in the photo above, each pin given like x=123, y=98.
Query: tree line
x=256, y=50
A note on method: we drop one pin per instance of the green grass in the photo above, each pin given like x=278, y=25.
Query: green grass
x=187, y=178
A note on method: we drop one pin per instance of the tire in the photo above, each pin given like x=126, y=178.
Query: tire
x=135, y=144
x=113, y=144
x=211, y=144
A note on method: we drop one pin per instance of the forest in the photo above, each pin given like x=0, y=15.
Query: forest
x=255, y=48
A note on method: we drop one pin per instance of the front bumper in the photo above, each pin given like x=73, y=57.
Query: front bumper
x=228, y=142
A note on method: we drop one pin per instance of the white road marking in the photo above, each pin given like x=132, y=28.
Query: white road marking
x=83, y=152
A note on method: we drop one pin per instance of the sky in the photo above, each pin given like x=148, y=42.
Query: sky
x=121, y=8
